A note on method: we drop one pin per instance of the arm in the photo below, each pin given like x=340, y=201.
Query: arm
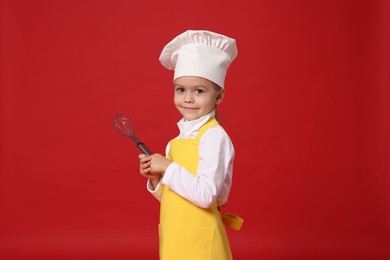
x=154, y=175
x=213, y=176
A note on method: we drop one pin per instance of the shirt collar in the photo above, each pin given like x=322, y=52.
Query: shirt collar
x=189, y=129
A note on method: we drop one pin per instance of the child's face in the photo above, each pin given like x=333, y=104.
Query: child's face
x=196, y=96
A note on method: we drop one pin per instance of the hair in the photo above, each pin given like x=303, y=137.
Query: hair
x=218, y=88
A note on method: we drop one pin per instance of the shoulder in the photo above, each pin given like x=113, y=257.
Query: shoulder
x=216, y=130
x=216, y=141
x=216, y=133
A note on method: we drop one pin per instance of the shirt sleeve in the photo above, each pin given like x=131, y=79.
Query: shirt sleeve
x=213, y=177
x=157, y=191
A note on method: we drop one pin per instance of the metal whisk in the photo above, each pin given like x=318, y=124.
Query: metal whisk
x=124, y=126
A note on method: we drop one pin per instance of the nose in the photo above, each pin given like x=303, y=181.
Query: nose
x=188, y=98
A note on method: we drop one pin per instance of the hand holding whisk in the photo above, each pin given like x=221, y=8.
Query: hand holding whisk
x=124, y=126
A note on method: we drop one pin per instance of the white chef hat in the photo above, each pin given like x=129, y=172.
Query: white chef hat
x=200, y=53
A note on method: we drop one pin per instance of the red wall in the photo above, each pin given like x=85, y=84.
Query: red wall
x=306, y=105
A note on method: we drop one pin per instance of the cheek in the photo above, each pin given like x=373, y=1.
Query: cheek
x=176, y=100
x=206, y=104
x=212, y=101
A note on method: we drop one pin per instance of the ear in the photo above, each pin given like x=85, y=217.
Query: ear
x=219, y=97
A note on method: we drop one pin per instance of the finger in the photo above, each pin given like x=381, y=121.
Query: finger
x=142, y=155
x=144, y=171
x=145, y=165
x=145, y=159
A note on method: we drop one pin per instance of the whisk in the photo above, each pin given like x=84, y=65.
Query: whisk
x=124, y=126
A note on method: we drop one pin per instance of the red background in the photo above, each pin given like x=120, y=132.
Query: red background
x=306, y=105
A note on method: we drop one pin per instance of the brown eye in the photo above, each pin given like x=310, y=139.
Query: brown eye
x=179, y=90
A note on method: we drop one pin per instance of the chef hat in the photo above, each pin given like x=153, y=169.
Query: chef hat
x=200, y=53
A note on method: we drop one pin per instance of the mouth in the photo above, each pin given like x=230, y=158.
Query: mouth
x=188, y=108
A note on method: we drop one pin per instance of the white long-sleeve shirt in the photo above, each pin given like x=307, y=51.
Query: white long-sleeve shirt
x=214, y=174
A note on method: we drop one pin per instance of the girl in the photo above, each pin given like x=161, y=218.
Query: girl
x=195, y=177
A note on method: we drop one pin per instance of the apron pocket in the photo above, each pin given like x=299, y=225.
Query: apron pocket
x=186, y=242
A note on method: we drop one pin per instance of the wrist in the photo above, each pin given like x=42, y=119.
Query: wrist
x=155, y=181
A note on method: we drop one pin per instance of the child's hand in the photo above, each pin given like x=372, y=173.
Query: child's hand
x=159, y=163
x=153, y=166
x=145, y=169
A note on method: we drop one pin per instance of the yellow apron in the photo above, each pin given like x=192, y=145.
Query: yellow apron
x=187, y=231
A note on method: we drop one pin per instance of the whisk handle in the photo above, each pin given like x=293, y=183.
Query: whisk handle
x=144, y=149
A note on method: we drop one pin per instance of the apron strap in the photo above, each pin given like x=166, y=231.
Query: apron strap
x=228, y=219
